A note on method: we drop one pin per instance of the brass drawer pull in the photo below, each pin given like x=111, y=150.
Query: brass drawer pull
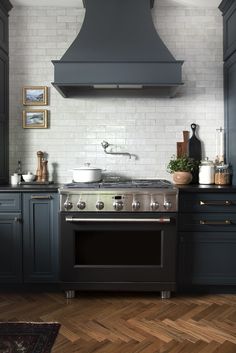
x=216, y=203
x=41, y=197
x=216, y=223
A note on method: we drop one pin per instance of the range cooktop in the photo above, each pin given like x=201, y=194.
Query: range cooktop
x=113, y=184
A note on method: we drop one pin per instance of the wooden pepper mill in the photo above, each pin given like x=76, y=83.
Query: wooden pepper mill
x=44, y=170
x=39, y=171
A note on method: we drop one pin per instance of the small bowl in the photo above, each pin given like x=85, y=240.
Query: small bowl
x=28, y=177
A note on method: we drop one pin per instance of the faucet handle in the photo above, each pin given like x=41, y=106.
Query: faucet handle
x=104, y=144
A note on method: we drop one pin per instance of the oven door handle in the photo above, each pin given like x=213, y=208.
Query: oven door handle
x=118, y=220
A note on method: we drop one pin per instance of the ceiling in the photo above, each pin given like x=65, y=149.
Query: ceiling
x=79, y=3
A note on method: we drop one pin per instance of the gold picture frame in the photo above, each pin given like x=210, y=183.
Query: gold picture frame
x=35, y=95
x=35, y=119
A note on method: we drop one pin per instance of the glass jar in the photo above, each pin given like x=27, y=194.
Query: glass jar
x=222, y=175
x=206, y=172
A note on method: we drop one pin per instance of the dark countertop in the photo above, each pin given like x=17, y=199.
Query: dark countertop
x=54, y=188
x=206, y=188
x=30, y=188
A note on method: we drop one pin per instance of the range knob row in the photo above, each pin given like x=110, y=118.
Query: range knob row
x=117, y=205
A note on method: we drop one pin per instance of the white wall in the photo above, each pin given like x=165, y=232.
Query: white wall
x=147, y=127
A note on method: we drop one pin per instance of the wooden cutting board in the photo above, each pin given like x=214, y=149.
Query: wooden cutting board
x=194, y=145
x=182, y=147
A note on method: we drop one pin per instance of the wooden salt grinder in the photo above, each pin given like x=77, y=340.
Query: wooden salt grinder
x=44, y=170
x=39, y=170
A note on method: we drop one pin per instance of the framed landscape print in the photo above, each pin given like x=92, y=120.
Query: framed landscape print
x=35, y=119
x=35, y=95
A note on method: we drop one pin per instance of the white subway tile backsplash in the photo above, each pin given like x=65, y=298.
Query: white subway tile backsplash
x=146, y=127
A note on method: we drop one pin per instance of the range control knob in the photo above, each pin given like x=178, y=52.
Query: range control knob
x=68, y=205
x=154, y=206
x=136, y=205
x=81, y=205
x=167, y=205
x=118, y=205
x=99, y=205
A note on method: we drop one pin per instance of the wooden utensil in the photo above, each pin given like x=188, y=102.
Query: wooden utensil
x=194, y=145
x=182, y=147
x=39, y=168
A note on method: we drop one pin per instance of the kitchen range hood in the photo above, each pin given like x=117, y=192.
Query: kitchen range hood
x=117, y=48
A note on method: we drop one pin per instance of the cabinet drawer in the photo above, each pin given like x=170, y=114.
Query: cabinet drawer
x=10, y=202
x=207, y=202
x=207, y=222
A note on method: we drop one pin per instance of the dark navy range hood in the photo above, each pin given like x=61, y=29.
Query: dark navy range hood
x=117, y=48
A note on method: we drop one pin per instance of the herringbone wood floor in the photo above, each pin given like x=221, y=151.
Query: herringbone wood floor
x=129, y=323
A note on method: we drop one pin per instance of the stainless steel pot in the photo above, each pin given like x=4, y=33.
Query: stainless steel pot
x=86, y=174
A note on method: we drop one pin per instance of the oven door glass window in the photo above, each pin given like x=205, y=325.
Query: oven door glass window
x=131, y=247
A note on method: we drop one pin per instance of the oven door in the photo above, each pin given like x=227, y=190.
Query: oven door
x=118, y=251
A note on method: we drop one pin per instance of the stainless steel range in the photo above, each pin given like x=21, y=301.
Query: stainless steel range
x=124, y=196
x=118, y=236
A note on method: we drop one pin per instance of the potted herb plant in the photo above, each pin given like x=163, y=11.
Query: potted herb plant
x=181, y=168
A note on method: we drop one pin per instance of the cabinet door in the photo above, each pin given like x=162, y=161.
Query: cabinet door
x=10, y=248
x=230, y=31
x=40, y=229
x=230, y=111
x=3, y=117
x=3, y=30
x=207, y=258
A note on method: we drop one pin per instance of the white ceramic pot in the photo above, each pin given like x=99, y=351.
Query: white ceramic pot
x=86, y=174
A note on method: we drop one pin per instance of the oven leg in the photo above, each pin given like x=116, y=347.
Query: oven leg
x=70, y=294
x=165, y=294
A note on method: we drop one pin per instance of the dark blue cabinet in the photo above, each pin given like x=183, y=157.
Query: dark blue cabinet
x=10, y=248
x=207, y=239
x=5, y=7
x=10, y=238
x=228, y=8
x=40, y=234
x=230, y=111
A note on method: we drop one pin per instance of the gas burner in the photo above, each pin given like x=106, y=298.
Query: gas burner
x=135, y=183
x=75, y=185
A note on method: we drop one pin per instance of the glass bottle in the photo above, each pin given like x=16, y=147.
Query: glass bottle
x=220, y=145
x=19, y=171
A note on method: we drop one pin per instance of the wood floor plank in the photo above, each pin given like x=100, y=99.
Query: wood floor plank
x=130, y=323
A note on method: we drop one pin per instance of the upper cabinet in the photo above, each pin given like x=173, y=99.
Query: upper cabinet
x=5, y=7
x=3, y=31
x=228, y=8
x=229, y=12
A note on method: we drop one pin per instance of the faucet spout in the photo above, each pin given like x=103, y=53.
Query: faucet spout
x=105, y=145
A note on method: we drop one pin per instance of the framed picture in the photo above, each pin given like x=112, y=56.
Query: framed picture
x=35, y=95
x=35, y=119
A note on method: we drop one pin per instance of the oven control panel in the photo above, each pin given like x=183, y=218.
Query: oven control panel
x=92, y=201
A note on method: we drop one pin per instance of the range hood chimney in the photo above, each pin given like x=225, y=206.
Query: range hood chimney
x=117, y=47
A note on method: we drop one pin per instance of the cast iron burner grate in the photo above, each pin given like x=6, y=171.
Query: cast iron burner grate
x=136, y=183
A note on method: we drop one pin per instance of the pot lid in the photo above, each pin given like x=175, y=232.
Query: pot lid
x=87, y=166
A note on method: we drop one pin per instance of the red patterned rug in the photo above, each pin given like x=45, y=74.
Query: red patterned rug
x=24, y=337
